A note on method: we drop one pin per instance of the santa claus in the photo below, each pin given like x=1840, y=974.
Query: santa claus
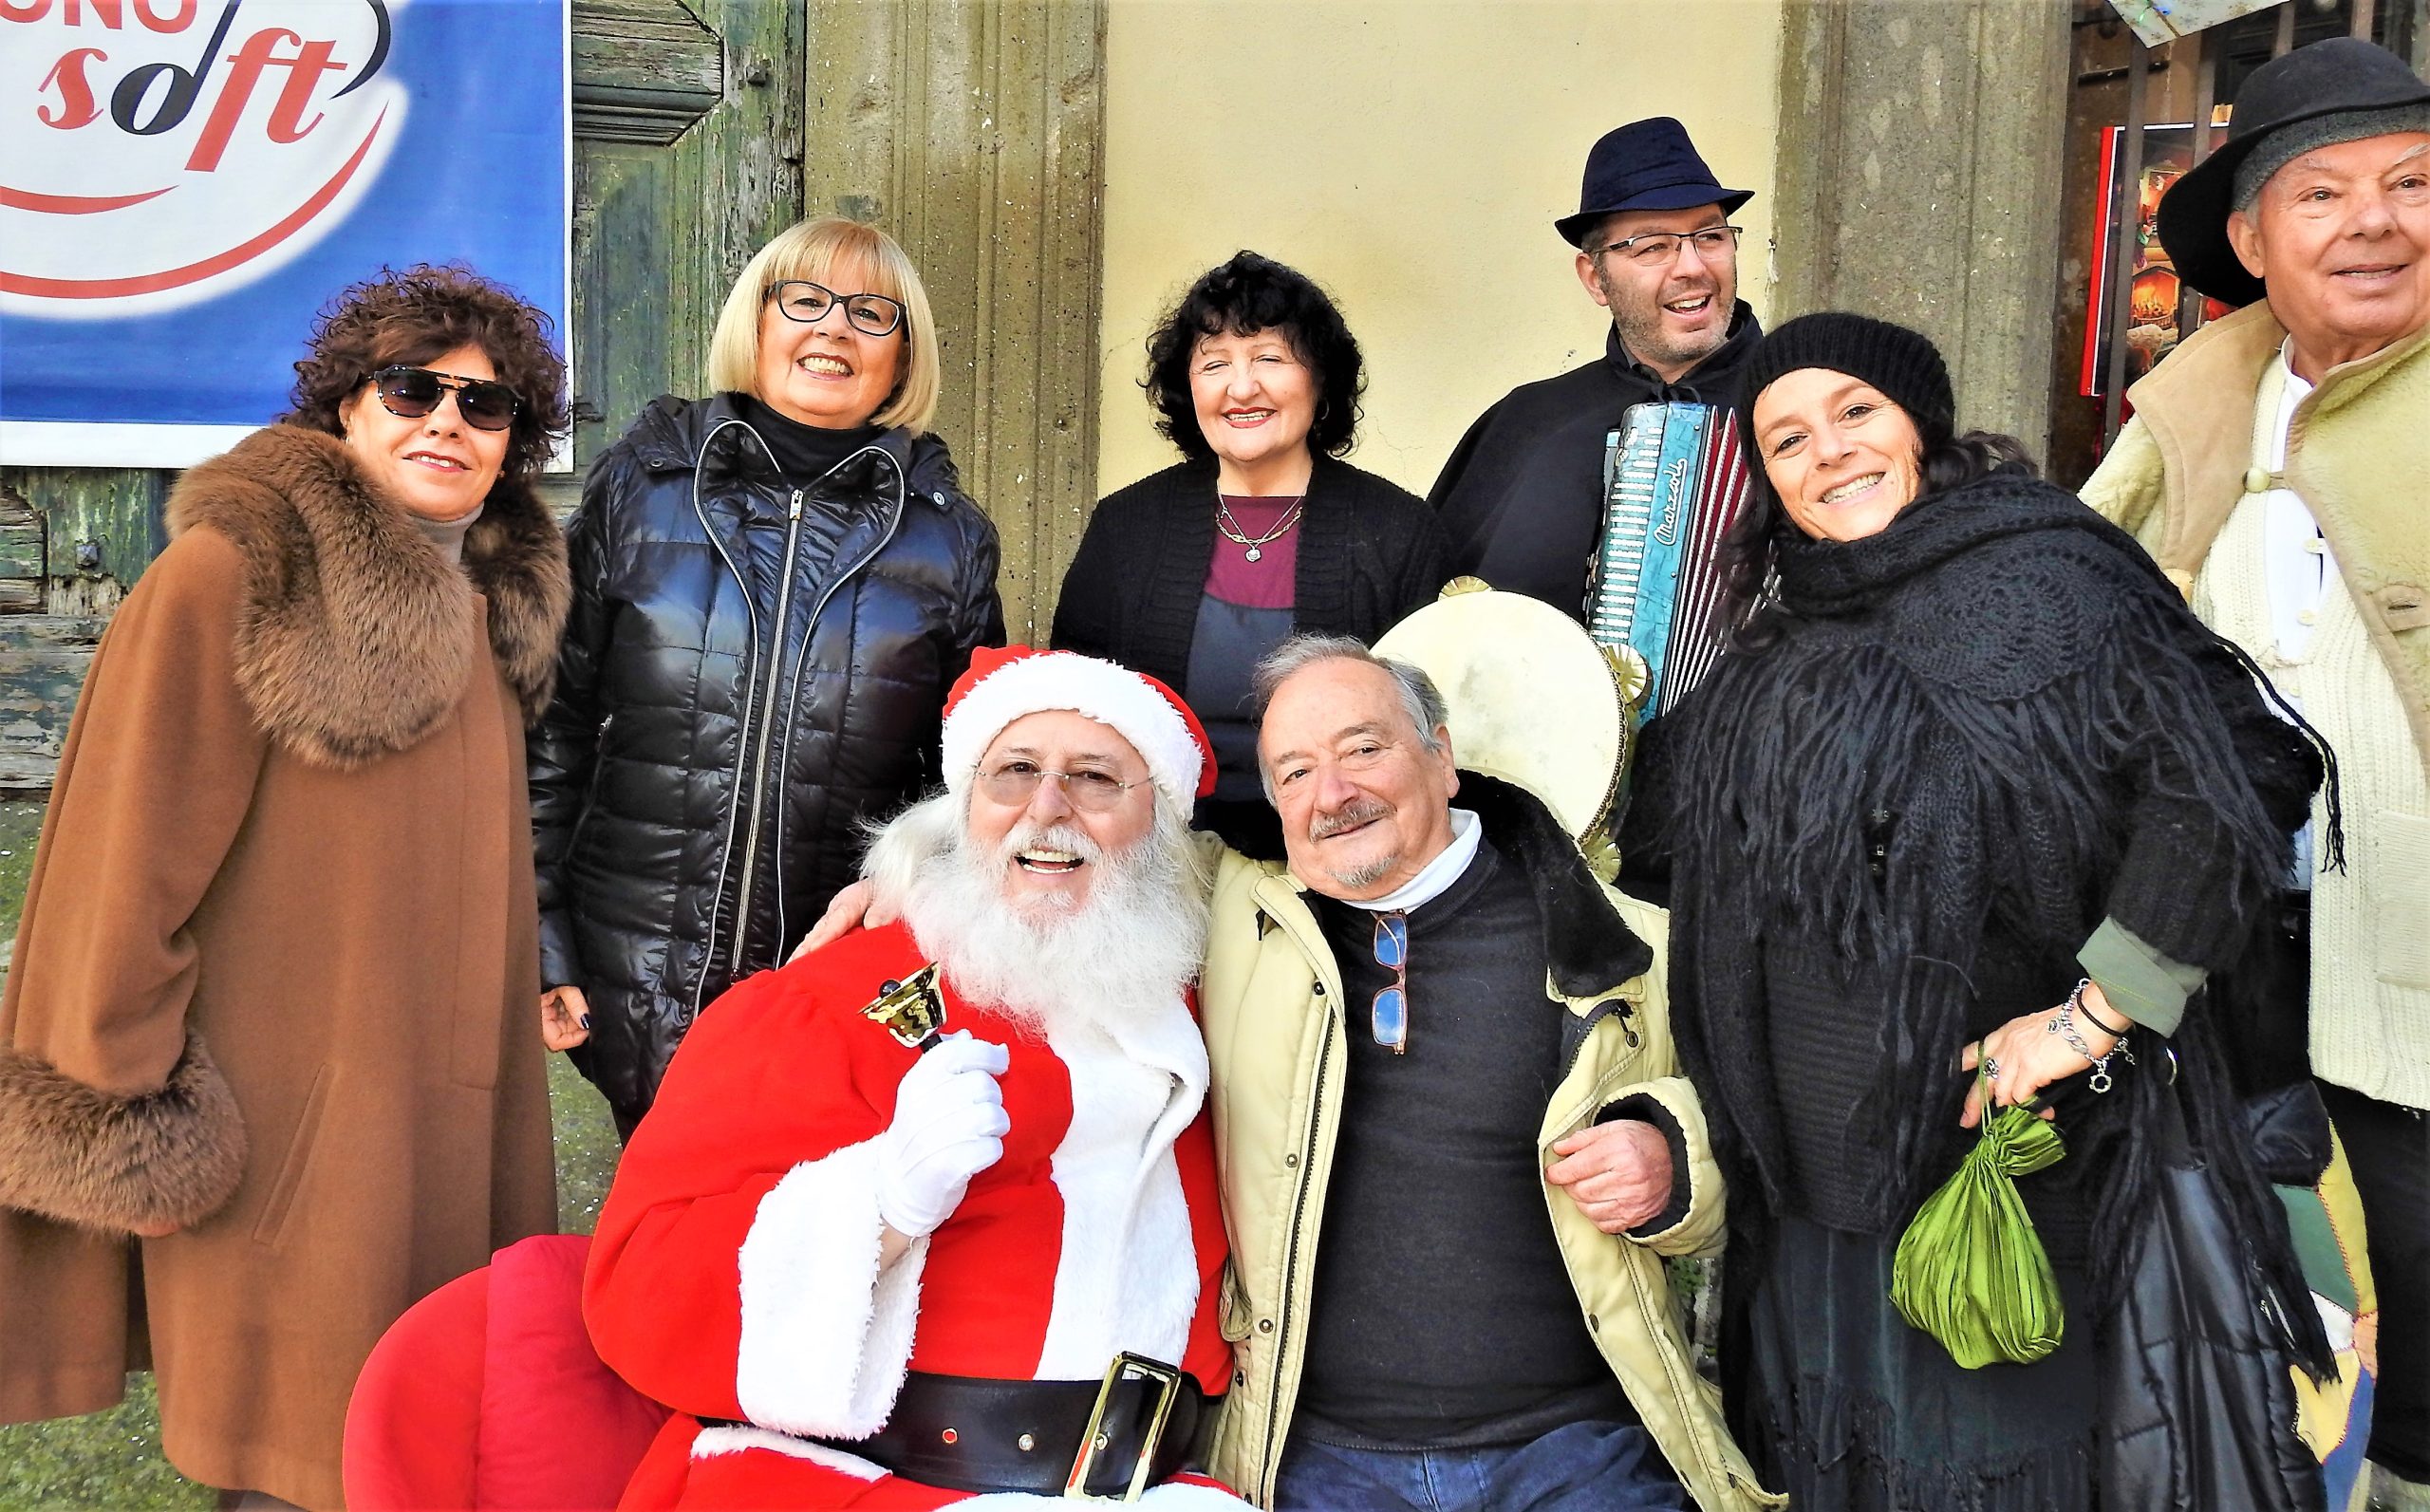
x=871, y=1274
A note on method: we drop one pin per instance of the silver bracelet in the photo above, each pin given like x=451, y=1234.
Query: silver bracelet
x=2065, y=1027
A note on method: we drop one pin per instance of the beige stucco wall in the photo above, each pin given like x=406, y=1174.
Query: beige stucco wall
x=1410, y=156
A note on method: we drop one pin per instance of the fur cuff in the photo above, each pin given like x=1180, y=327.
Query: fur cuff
x=825, y=1335
x=75, y=1154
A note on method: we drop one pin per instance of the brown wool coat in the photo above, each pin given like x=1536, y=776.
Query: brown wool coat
x=290, y=826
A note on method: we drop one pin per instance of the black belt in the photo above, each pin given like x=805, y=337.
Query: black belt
x=1109, y=1438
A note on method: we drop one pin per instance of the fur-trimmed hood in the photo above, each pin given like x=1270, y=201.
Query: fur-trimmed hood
x=347, y=647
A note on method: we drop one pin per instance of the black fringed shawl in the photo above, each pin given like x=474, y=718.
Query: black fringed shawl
x=2057, y=738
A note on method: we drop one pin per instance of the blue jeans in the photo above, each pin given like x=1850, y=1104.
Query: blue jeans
x=1583, y=1468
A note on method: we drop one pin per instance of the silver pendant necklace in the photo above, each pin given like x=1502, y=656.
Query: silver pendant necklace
x=1232, y=531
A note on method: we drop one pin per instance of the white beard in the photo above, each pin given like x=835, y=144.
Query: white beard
x=1130, y=950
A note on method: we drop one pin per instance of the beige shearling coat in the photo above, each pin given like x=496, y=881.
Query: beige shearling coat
x=2358, y=454
x=289, y=824
x=1270, y=1001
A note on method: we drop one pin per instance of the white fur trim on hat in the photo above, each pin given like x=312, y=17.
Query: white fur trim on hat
x=1114, y=696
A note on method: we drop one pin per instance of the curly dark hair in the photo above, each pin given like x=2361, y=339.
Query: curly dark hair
x=417, y=314
x=1242, y=296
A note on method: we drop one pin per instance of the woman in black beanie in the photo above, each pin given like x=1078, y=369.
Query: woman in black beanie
x=1971, y=784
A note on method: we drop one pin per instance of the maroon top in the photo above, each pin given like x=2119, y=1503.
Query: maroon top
x=1268, y=583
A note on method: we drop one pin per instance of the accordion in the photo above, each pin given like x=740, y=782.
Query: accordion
x=1673, y=482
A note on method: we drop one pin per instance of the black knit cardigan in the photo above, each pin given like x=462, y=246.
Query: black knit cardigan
x=1992, y=718
x=1370, y=551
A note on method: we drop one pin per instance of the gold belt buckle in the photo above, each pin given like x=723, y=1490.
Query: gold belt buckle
x=1094, y=1441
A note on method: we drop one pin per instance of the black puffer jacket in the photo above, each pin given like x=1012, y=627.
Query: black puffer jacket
x=748, y=670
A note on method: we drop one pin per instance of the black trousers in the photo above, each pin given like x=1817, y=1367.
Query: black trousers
x=2388, y=1146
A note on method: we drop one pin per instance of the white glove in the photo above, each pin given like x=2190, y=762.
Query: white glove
x=950, y=1125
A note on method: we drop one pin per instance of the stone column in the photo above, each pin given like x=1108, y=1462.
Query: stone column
x=972, y=130
x=1921, y=156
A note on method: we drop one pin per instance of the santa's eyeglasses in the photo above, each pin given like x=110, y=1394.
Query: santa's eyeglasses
x=1016, y=782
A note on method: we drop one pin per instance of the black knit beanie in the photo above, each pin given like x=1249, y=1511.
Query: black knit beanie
x=1902, y=363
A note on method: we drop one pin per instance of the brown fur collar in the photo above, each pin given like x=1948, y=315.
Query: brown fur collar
x=349, y=647
x=75, y=1154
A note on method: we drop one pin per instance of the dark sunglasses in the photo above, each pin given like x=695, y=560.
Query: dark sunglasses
x=1390, y=1008
x=410, y=393
x=870, y=315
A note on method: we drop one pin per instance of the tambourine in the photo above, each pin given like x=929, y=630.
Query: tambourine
x=1531, y=699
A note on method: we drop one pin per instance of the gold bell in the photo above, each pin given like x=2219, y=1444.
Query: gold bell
x=911, y=1010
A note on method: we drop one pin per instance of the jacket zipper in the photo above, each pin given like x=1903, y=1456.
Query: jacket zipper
x=590, y=789
x=1620, y=1010
x=1678, y=1374
x=1720, y=1473
x=734, y=809
x=767, y=718
x=1271, y=1453
x=792, y=704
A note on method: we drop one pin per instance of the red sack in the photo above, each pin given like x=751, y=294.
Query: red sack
x=487, y=1394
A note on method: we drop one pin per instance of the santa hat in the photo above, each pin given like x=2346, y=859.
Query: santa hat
x=1007, y=684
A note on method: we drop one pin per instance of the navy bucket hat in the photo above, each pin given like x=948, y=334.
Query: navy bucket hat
x=1645, y=165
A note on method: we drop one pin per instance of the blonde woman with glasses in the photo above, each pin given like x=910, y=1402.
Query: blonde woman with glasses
x=774, y=587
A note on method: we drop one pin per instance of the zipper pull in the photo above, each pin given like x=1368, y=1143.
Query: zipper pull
x=795, y=513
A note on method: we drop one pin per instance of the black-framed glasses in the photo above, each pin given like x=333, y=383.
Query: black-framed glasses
x=870, y=315
x=410, y=393
x=1390, y=1011
x=1017, y=782
x=1655, y=248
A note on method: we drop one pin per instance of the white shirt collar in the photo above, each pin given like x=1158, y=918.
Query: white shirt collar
x=1437, y=875
x=2283, y=419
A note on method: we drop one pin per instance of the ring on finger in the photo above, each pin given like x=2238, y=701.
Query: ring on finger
x=1991, y=1069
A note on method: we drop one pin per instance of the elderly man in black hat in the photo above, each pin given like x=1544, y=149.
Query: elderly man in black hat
x=2279, y=467
x=1521, y=497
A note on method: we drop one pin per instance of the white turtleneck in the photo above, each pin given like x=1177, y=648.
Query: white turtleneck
x=1436, y=875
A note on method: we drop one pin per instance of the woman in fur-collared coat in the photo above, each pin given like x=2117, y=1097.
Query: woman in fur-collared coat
x=269, y=1072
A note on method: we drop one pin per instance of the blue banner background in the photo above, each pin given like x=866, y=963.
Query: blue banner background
x=478, y=176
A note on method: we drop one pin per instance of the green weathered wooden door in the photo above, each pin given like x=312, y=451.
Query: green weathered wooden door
x=687, y=157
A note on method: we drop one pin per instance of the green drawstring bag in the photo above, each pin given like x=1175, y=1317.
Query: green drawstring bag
x=1969, y=1270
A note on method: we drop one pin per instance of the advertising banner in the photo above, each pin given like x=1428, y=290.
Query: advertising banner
x=183, y=183
x=2152, y=286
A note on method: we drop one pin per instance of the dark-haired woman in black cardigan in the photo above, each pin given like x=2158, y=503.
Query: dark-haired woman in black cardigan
x=1192, y=573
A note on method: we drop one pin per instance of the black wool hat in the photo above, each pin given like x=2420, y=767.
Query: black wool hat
x=1645, y=165
x=1904, y=365
x=2343, y=75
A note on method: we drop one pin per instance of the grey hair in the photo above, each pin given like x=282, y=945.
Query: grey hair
x=2284, y=145
x=1420, y=699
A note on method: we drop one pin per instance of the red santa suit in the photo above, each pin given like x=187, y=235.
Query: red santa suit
x=734, y=1273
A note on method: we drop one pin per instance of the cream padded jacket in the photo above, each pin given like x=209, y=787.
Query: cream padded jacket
x=1270, y=1001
